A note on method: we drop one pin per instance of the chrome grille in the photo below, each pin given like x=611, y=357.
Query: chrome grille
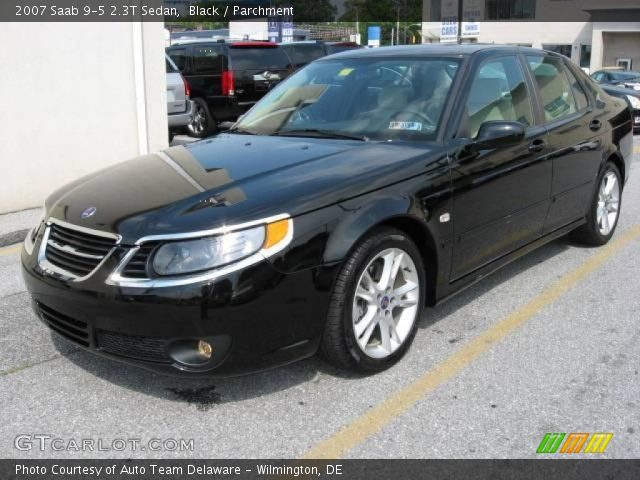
x=137, y=266
x=76, y=251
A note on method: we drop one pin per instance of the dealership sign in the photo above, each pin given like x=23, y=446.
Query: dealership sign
x=449, y=21
x=472, y=12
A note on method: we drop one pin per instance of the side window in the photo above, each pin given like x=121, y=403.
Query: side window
x=498, y=92
x=206, y=59
x=555, y=90
x=578, y=92
x=598, y=76
x=179, y=57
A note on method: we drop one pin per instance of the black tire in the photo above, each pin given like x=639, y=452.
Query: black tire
x=203, y=124
x=339, y=345
x=589, y=234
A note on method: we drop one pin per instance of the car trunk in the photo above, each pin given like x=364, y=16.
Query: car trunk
x=257, y=67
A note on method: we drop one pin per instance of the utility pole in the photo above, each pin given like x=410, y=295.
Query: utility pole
x=460, y=2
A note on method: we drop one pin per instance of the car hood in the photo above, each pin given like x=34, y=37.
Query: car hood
x=232, y=179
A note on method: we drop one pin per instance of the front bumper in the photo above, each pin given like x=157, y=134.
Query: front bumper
x=636, y=119
x=255, y=319
x=177, y=120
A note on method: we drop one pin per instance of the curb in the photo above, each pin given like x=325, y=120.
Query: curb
x=10, y=238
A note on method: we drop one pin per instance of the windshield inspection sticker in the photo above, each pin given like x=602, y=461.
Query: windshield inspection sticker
x=414, y=126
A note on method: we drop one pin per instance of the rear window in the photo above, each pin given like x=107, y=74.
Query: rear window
x=179, y=57
x=244, y=58
x=207, y=59
x=303, y=54
x=169, y=66
x=337, y=47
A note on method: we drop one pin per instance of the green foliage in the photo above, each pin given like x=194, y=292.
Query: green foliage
x=380, y=11
x=309, y=10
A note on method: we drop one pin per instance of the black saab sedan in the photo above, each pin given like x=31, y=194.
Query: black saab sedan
x=364, y=187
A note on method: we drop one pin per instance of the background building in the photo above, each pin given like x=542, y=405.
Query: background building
x=77, y=97
x=591, y=39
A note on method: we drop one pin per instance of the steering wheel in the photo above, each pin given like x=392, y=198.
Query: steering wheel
x=422, y=115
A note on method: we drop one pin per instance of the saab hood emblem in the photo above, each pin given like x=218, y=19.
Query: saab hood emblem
x=88, y=212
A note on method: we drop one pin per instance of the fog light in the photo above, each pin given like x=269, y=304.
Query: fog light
x=205, y=349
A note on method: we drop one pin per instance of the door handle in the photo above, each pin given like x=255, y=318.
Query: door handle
x=537, y=145
x=595, y=125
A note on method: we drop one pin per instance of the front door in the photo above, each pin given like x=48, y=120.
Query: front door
x=501, y=196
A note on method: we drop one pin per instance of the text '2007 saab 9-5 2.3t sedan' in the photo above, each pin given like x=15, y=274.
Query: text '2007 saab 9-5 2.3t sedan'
x=367, y=185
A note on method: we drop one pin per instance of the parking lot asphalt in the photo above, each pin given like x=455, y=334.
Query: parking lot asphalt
x=550, y=343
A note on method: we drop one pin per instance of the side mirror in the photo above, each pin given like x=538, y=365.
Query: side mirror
x=498, y=134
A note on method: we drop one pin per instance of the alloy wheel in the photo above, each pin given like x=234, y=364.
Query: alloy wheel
x=385, y=304
x=199, y=121
x=608, y=203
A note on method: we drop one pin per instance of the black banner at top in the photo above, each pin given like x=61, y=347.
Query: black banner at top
x=313, y=11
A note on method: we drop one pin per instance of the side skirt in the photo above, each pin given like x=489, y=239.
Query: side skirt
x=450, y=290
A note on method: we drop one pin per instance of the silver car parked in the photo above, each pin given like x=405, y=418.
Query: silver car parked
x=179, y=106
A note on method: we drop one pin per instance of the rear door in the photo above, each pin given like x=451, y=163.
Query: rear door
x=575, y=139
x=176, y=95
x=257, y=67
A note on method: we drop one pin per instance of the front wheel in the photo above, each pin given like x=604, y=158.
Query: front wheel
x=375, y=304
x=604, y=211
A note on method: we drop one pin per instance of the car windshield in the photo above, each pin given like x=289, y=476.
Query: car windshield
x=372, y=98
x=625, y=76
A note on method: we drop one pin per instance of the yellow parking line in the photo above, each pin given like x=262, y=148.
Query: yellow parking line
x=636, y=149
x=384, y=413
x=11, y=250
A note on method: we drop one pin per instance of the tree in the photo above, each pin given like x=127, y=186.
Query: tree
x=309, y=10
x=383, y=10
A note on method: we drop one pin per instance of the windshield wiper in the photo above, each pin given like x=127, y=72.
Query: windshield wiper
x=316, y=132
x=240, y=131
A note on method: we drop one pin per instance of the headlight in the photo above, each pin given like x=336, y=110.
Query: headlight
x=635, y=101
x=200, y=254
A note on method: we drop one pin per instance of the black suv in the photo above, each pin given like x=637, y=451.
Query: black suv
x=226, y=79
x=305, y=52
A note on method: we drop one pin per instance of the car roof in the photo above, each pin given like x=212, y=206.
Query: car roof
x=228, y=42
x=303, y=42
x=445, y=49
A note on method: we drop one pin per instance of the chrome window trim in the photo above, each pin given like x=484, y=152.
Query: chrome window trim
x=117, y=279
x=47, y=266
